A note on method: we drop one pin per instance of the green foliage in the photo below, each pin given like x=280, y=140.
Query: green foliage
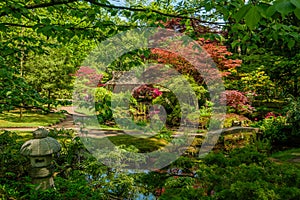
x=263, y=20
x=258, y=83
x=13, y=164
x=249, y=190
x=174, y=110
x=15, y=92
x=287, y=156
x=103, y=104
x=266, y=35
x=51, y=74
x=293, y=116
x=181, y=188
x=239, y=174
x=281, y=69
x=275, y=129
x=230, y=117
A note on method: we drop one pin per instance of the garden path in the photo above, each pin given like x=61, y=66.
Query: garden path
x=68, y=123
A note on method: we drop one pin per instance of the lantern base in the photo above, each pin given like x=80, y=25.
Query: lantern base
x=43, y=183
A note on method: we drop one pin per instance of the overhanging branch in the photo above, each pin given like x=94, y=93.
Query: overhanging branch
x=41, y=5
x=52, y=3
x=151, y=10
x=70, y=27
x=94, y=2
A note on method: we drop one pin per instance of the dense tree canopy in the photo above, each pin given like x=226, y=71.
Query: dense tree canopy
x=265, y=33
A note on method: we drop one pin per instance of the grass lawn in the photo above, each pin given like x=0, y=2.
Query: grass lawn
x=29, y=119
x=291, y=156
x=143, y=144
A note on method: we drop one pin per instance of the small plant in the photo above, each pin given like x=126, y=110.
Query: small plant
x=145, y=92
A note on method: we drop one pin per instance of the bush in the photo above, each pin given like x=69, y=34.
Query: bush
x=12, y=164
x=249, y=190
x=236, y=101
x=275, y=129
x=293, y=115
x=247, y=174
x=103, y=104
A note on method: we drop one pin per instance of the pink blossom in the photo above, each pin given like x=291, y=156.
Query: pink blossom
x=146, y=92
x=156, y=93
x=270, y=114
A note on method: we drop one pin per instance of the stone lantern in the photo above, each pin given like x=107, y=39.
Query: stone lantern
x=40, y=150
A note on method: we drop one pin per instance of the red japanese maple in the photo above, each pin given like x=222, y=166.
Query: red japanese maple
x=177, y=52
x=90, y=75
x=236, y=100
x=213, y=51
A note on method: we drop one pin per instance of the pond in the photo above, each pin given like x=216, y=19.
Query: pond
x=139, y=196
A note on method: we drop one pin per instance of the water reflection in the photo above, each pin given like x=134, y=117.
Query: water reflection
x=138, y=196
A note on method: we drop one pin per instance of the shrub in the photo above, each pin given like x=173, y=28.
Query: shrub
x=293, y=115
x=275, y=129
x=249, y=190
x=146, y=92
x=103, y=104
x=237, y=101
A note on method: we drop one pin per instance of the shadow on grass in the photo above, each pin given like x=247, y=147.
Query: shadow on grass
x=291, y=156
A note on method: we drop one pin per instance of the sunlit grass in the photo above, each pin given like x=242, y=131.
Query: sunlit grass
x=29, y=119
x=142, y=144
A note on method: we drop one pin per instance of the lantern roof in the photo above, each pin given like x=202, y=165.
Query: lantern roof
x=41, y=145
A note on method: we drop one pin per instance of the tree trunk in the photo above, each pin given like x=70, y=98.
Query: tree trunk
x=21, y=111
x=49, y=103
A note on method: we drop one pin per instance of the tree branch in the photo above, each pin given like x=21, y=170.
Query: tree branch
x=52, y=3
x=17, y=25
x=69, y=28
x=151, y=10
x=41, y=5
x=94, y=2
